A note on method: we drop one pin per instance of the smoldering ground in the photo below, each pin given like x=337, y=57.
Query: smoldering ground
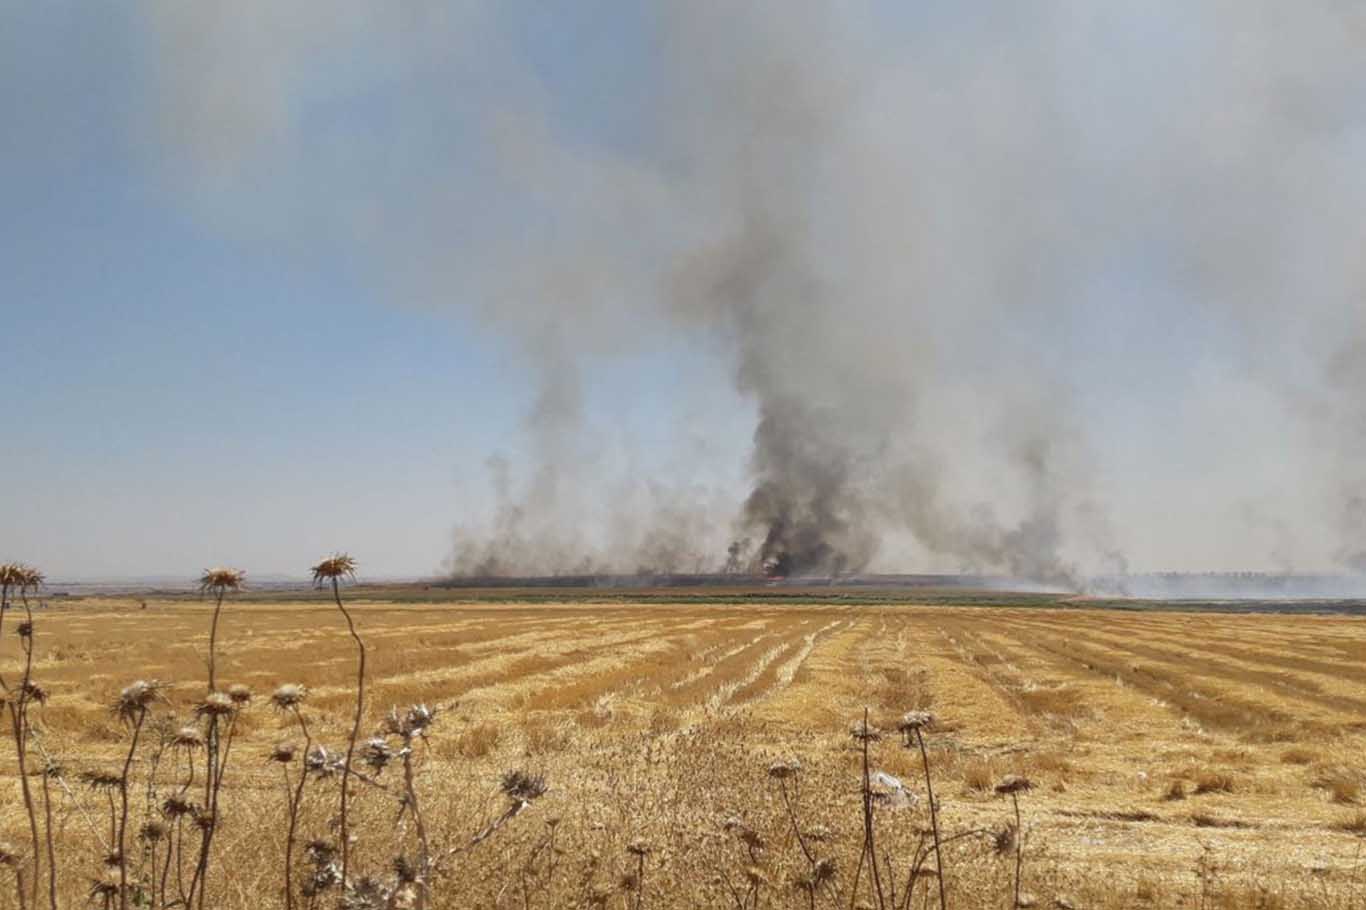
x=1047, y=291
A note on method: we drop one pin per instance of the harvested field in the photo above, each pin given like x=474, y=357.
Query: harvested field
x=1176, y=759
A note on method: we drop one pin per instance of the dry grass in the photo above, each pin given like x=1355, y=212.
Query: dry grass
x=659, y=723
x=1207, y=781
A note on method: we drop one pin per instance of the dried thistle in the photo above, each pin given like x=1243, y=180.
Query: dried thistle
x=188, y=738
x=523, y=787
x=784, y=770
x=288, y=696
x=220, y=580
x=638, y=847
x=240, y=695
x=911, y=723
x=338, y=567
x=152, y=831
x=367, y=894
x=215, y=704
x=413, y=721
x=8, y=855
x=376, y=753
x=865, y=732
x=104, y=889
x=177, y=807
x=320, y=762
x=135, y=699
x=102, y=780
x=284, y=752
x=21, y=576
x=1013, y=783
x=32, y=691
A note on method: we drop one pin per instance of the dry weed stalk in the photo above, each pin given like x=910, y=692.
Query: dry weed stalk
x=1013, y=785
x=131, y=708
x=18, y=700
x=216, y=707
x=913, y=723
x=289, y=698
x=333, y=571
x=864, y=734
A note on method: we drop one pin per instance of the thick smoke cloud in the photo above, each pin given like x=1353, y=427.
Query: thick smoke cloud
x=1048, y=291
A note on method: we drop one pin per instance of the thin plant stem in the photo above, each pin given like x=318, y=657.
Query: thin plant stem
x=123, y=810
x=355, y=730
x=934, y=821
x=1019, y=847
x=294, y=805
x=20, y=723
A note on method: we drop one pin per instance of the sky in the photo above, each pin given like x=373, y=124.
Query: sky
x=421, y=282
x=191, y=386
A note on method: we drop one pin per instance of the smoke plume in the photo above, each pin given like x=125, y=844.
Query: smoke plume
x=1046, y=291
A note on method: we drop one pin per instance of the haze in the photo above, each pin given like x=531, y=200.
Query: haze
x=1052, y=291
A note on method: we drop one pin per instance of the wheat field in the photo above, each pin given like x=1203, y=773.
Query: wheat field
x=1176, y=759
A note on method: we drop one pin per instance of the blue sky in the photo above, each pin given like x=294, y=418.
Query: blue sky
x=198, y=373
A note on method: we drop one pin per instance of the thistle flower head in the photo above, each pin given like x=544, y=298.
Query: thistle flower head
x=104, y=888
x=411, y=721
x=30, y=579
x=288, y=696
x=368, y=893
x=102, y=780
x=205, y=819
x=638, y=847
x=783, y=770
x=321, y=762
x=188, y=738
x=220, y=580
x=21, y=576
x=136, y=699
x=320, y=851
x=8, y=855
x=32, y=691
x=418, y=718
x=863, y=731
x=1013, y=783
x=284, y=752
x=215, y=704
x=915, y=720
x=177, y=807
x=338, y=567
x=523, y=787
x=152, y=831
x=376, y=753
x=240, y=694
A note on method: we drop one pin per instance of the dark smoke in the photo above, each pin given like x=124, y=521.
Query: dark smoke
x=1046, y=289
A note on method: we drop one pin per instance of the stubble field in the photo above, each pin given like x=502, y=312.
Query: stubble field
x=1176, y=759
